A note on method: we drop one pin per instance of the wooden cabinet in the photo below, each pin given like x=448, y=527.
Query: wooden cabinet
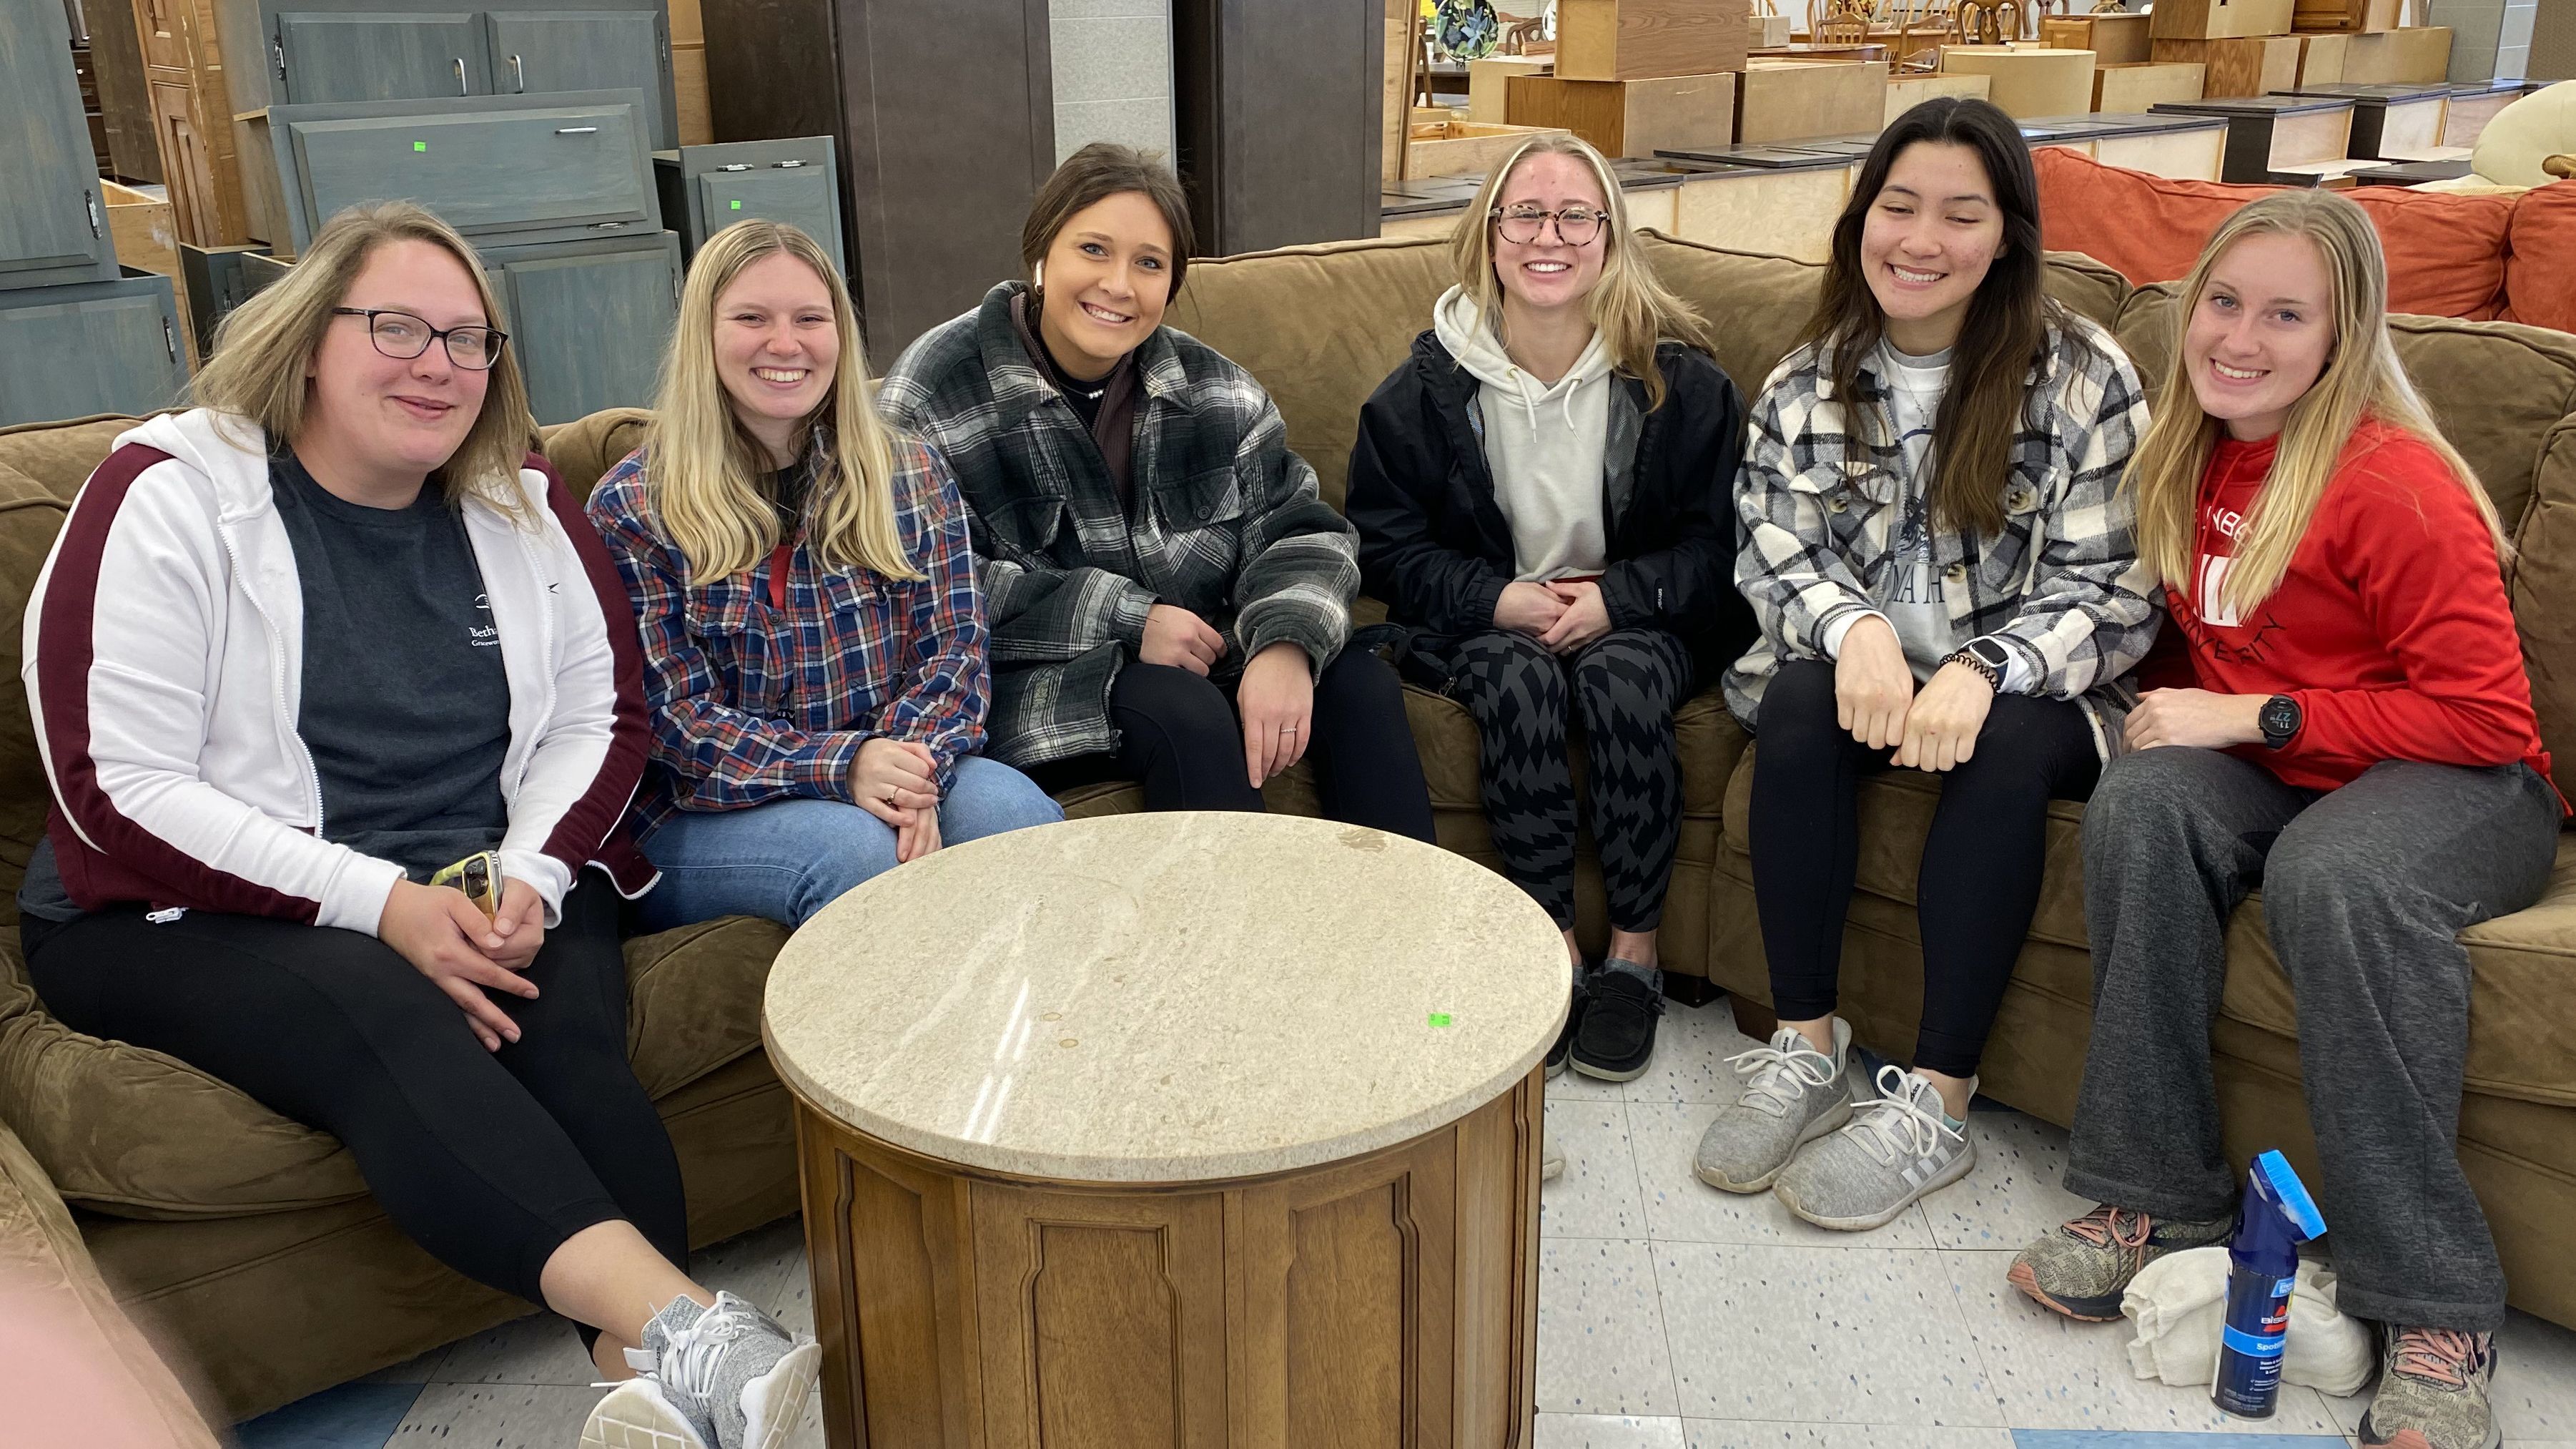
x=708, y=188
x=96, y=347
x=589, y=320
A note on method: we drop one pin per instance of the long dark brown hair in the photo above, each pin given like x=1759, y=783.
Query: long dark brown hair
x=2006, y=331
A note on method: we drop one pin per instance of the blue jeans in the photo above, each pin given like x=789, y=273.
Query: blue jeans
x=790, y=858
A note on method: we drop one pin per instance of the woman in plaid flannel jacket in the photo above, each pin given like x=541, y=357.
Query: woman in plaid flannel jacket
x=1937, y=547
x=1169, y=594
x=813, y=638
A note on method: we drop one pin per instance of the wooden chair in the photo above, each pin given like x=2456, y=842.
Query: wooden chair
x=1923, y=27
x=1990, y=22
x=1845, y=22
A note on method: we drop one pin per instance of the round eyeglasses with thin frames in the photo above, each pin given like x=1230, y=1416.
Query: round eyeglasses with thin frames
x=402, y=335
x=1575, y=225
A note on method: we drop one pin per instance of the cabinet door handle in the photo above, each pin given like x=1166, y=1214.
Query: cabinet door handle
x=519, y=74
x=607, y=226
x=787, y=165
x=575, y=130
x=168, y=341
x=460, y=77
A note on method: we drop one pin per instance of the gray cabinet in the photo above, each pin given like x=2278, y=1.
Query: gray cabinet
x=501, y=169
x=340, y=57
x=52, y=225
x=582, y=50
x=589, y=320
x=93, y=347
x=708, y=188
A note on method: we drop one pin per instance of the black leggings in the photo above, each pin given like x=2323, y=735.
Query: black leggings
x=1179, y=734
x=490, y=1160
x=1978, y=883
x=1624, y=685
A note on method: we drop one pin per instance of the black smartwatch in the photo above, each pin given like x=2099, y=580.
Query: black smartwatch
x=2280, y=720
x=1987, y=658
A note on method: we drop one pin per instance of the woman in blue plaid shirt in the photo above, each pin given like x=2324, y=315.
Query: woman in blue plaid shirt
x=1944, y=567
x=814, y=649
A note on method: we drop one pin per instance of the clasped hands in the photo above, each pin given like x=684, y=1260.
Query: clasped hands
x=443, y=934
x=897, y=781
x=1564, y=615
x=1275, y=701
x=1874, y=697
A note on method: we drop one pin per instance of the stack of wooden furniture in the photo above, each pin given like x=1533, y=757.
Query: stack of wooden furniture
x=78, y=333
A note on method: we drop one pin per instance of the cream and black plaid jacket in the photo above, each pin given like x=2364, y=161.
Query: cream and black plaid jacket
x=1819, y=502
x=1226, y=521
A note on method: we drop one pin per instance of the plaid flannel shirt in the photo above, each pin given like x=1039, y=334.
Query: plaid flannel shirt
x=763, y=684
x=2061, y=586
x=1226, y=523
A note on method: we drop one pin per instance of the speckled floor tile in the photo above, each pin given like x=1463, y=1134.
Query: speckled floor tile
x=495, y=1416
x=2535, y=1386
x=2054, y=1373
x=1681, y=1208
x=1601, y=1342
x=1805, y=1335
x=419, y=1370
x=537, y=1349
x=1608, y=1431
x=1597, y=1196
x=1753, y=1434
x=2014, y=1195
x=1691, y=1048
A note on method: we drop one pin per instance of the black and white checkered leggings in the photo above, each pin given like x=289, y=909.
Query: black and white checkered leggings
x=1624, y=687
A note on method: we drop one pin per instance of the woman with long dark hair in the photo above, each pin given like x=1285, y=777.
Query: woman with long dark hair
x=1943, y=568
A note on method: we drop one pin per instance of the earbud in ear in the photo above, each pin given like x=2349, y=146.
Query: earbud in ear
x=1037, y=276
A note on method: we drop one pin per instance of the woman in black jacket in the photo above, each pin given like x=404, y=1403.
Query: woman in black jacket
x=1542, y=493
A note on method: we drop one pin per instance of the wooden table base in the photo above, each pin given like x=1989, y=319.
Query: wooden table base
x=1389, y=1300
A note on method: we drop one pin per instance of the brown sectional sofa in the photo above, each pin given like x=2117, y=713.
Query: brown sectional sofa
x=250, y=1242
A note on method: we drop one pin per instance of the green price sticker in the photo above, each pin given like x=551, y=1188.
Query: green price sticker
x=1439, y=1018
x=420, y=145
x=737, y=206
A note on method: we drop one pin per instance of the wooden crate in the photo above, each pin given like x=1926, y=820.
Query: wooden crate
x=1631, y=118
x=1465, y=148
x=1639, y=39
x=146, y=229
x=2220, y=19
x=2129, y=89
x=2041, y=81
x=1792, y=100
x=2417, y=56
x=1761, y=30
x=2244, y=66
x=2114, y=39
x=1489, y=97
x=2349, y=16
x=1905, y=92
x=1786, y=213
x=2321, y=59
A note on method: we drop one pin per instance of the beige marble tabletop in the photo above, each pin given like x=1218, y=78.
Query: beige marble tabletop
x=1167, y=998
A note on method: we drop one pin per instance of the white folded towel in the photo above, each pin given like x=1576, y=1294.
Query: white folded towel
x=2179, y=1304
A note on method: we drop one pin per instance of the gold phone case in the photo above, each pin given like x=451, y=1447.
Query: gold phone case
x=479, y=876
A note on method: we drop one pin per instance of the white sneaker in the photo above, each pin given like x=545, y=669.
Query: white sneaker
x=1793, y=1094
x=1898, y=1147
x=634, y=1415
x=727, y=1377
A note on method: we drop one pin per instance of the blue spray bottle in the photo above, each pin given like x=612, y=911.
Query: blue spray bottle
x=2275, y=1216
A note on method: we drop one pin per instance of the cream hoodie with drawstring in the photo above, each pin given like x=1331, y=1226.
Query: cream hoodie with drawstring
x=1544, y=444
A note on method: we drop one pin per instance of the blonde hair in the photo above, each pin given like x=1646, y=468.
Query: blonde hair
x=260, y=371
x=702, y=467
x=2362, y=378
x=1629, y=307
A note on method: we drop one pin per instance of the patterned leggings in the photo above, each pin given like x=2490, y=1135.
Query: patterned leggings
x=1624, y=686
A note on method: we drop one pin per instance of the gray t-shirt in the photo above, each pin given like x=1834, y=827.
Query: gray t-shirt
x=406, y=707
x=1914, y=602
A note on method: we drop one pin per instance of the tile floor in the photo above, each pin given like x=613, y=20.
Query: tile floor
x=1671, y=1316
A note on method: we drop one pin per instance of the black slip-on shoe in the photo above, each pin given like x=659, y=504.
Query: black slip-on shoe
x=1618, y=1032
x=1556, y=1054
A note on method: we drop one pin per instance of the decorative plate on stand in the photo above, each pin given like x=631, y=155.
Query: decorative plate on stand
x=1467, y=29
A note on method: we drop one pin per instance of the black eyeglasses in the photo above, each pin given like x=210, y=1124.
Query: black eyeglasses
x=402, y=335
x=1575, y=225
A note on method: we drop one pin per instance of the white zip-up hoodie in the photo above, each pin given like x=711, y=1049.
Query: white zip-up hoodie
x=1544, y=444
x=164, y=667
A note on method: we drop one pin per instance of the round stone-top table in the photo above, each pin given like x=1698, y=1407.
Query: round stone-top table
x=1173, y=1129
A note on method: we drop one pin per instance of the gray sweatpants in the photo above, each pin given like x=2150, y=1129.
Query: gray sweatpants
x=2365, y=890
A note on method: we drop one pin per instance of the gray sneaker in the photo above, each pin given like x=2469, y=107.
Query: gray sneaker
x=1551, y=1158
x=1793, y=1094
x=1899, y=1146
x=2433, y=1388
x=2082, y=1268
x=727, y=1377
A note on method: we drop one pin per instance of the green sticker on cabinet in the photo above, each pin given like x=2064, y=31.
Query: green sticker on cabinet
x=420, y=145
x=737, y=206
x=1439, y=1018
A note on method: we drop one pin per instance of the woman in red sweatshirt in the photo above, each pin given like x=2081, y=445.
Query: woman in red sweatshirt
x=2359, y=741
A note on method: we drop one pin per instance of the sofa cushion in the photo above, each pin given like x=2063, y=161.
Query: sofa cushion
x=584, y=449
x=2540, y=271
x=2445, y=251
x=2522, y=1017
x=2544, y=597
x=2495, y=389
x=693, y=1006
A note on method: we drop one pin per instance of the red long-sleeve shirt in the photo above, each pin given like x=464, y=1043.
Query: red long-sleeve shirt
x=2390, y=628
